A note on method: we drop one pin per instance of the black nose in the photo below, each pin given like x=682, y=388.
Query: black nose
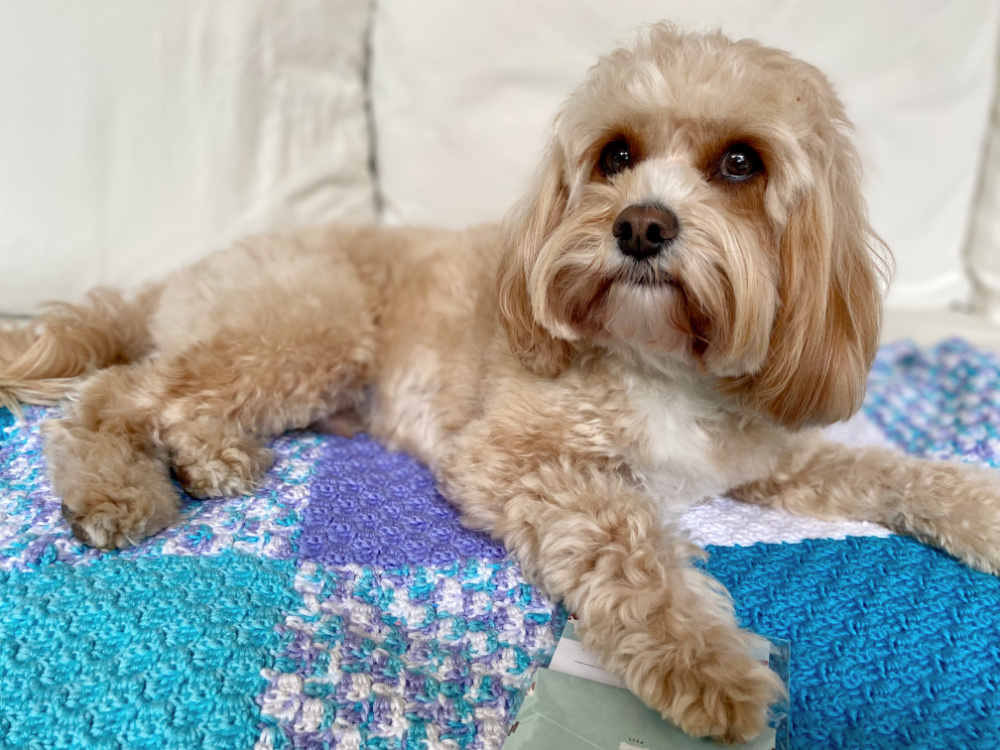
x=643, y=231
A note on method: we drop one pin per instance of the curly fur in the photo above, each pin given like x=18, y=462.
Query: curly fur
x=567, y=405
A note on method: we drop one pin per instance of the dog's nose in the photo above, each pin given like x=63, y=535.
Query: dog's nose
x=643, y=231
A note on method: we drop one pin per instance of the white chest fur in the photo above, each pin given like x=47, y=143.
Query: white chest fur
x=688, y=446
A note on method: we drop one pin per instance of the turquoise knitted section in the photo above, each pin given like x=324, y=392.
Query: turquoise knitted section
x=894, y=644
x=159, y=655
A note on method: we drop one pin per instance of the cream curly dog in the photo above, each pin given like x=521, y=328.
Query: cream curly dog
x=690, y=287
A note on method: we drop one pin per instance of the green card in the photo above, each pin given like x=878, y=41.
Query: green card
x=576, y=705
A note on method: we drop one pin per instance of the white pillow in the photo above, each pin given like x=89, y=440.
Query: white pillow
x=136, y=135
x=463, y=93
x=984, y=248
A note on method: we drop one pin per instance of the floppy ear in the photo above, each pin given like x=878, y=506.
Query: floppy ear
x=826, y=331
x=525, y=232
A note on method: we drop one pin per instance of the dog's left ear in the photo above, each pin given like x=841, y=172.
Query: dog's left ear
x=526, y=230
x=826, y=331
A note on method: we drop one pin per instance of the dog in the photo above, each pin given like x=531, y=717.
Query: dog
x=689, y=290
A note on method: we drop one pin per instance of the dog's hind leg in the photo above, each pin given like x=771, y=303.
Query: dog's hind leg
x=250, y=343
x=206, y=410
x=104, y=460
x=952, y=506
x=226, y=395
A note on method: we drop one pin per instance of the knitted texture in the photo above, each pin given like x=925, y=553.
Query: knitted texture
x=163, y=654
x=941, y=404
x=343, y=605
x=371, y=507
x=894, y=644
x=408, y=657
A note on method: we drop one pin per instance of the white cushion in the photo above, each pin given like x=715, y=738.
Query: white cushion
x=137, y=135
x=984, y=246
x=463, y=93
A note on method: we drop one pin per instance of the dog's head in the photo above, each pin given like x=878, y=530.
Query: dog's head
x=699, y=203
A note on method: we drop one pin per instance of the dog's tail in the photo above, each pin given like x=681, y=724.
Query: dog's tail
x=43, y=360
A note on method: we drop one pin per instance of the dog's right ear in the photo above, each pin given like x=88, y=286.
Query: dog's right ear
x=526, y=230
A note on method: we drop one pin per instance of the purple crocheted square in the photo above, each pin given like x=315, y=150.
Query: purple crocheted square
x=368, y=506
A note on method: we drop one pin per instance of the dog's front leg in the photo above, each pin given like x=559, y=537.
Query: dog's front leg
x=953, y=506
x=589, y=538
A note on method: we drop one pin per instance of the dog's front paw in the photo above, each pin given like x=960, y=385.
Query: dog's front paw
x=114, y=515
x=715, y=690
x=212, y=460
x=113, y=495
x=108, y=523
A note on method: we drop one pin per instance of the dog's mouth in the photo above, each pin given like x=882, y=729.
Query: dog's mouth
x=653, y=307
x=638, y=295
x=646, y=275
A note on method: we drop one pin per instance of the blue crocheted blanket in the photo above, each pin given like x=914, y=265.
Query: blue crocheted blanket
x=344, y=606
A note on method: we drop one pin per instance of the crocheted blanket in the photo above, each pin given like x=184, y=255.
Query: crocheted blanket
x=344, y=606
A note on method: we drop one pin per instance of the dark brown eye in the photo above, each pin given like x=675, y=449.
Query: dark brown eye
x=739, y=163
x=615, y=158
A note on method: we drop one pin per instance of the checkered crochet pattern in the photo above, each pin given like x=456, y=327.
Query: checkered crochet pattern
x=344, y=606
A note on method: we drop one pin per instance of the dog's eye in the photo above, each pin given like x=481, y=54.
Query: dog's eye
x=740, y=162
x=615, y=158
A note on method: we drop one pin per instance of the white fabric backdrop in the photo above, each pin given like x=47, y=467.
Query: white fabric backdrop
x=984, y=248
x=463, y=93
x=137, y=135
